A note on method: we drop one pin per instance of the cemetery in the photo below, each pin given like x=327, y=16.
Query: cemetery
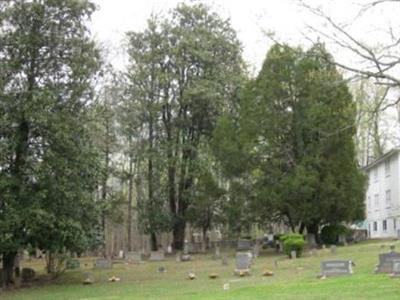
x=194, y=150
x=349, y=274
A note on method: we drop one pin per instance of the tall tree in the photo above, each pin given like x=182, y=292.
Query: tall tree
x=47, y=164
x=190, y=72
x=296, y=129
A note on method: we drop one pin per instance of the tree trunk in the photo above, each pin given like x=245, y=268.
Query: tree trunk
x=313, y=229
x=130, y=190
x=8, y=268
x=204, y=243
x=153, y=242
x=178, y=233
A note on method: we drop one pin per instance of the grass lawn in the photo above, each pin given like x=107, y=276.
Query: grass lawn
x=293, y=279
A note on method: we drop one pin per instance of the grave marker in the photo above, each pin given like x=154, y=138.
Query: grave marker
x=157, y=256
x=133, y=257
x=386, y=262
x=333, y=268
x=243, y=262
x=102, y=263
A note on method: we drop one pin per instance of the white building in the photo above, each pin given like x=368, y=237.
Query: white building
x=382, y=197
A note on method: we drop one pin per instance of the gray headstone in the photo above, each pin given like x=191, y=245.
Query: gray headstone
x=386, y=262
x=311, y=242
x=157, y=256
x=133, y=257
x=333, y=249
x=103, y=263
x=342, y=239
x=178, y=257
x=244, y=245
x=243, y=261
x=396, y=267
x=293, y=254
x=72, y=264
x=336, y=268
x=186, y=257
x=217, y=253
x=224, y=260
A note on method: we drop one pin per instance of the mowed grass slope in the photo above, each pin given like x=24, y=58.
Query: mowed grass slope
x=293, y=279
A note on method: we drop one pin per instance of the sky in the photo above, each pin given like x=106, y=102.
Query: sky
x=251, y=19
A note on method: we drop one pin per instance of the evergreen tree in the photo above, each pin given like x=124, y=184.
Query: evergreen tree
x=48, y=167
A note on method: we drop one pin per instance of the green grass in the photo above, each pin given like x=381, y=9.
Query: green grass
x=293, y=279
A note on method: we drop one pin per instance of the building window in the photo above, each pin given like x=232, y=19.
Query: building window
x=375, y=226
x=376, y=196
x=387, y=167
x=388, y=198
x=394, y=224
x=384, y=225
x=369, y=204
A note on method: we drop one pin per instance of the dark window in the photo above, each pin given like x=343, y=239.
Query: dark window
x=375, y=226
x=384, y=225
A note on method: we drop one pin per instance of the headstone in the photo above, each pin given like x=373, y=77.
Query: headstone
x=169, y=249
x=224, y=260
x=102, y=263
x=121, y=254
x=336, y=268
x=178, y=257
x=133, y=257
x=244, y=245
x=217, y=253
x=243, y=262
x=293, y=254
x=88, y=278
x=311, y=242
x=27, y=274
x=72, y=264
x=342, y=239
x=162, y=269
x=396, y=268
x=157, y=256
x=386, y=262
x=186, y=257
x=333, y=249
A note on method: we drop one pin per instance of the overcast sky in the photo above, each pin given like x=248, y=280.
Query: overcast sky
x=250, y=18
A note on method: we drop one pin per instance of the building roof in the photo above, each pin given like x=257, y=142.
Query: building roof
x=382, y=158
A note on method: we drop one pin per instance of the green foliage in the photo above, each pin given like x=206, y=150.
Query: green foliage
x=48, y=165
x=293, y=242
x=330, y=233
x=184, y=71
x=291, y=143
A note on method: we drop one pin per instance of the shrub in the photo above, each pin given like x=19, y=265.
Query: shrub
x=330, y=233
x=293, y=242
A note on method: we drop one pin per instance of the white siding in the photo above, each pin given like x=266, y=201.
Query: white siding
x=382, y=185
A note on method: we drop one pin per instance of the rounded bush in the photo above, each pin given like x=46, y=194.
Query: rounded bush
x=293, y=242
